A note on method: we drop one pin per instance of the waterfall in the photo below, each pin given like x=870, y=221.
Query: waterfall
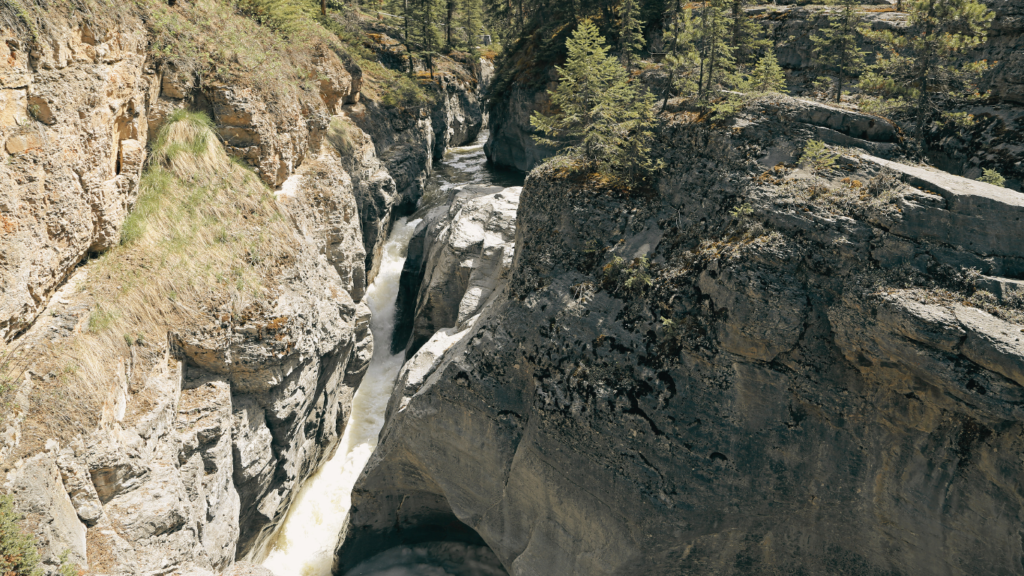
x=306, y=541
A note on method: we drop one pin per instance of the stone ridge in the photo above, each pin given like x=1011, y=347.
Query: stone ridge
x=802, y=389
x=204, y=438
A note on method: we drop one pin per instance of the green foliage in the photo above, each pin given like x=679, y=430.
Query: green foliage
x=748, y=38
x=631, y=31
x=716, y=53
x=100, y=319
x=603, y=123
x=682, y=60
x=404, y=92
x=836, y=51
x=152, y=188
x=924, y=62
x=472, y=22
x=198, y=122
x=18, y=555
x=767, y=75
x=992, y=177
x=632, y=278
x=724, y=108
x=284, y=16
x=421, y=17
x=959, y=120
x=817, y=157
x=742, y=211
x=67, y=567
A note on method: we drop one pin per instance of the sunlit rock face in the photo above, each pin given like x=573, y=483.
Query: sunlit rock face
x=728, y=375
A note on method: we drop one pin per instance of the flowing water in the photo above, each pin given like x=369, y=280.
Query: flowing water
x=306, y=541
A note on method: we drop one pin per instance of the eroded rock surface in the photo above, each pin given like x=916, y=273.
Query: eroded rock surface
x=73, y=133
x=800, y=388
x=466, y=251
x=196, y=462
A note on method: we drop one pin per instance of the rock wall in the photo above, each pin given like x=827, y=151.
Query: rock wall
x=729, y=376
x=196, y=462
x=459, y=255
x=73, y=133
x=991, y=143
x=510, y=142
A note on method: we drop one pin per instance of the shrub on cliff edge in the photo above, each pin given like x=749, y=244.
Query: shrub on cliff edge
x=18, y=555
x=603, y=123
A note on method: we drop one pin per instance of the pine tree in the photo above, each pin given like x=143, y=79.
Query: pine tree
x=924, y=61
x=836, y=51
x=426, y=34
x=18, y=554
x=472, y=22
x=603, y=122
x=682, y=57
x=747, y=35
x=451, y=7
x=631, y=32
x=716, y=58
x=767, y=75
x=992, y=177
x=406, y=10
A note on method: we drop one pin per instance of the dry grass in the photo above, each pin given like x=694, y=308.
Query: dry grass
x=204, y=245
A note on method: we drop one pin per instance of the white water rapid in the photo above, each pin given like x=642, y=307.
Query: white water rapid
x=305, y=543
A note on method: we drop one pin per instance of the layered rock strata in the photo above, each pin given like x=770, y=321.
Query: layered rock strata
x=752, y=370
x=197, y=459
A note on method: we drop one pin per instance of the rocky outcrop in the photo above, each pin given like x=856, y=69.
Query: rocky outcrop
x=731, y=376
x=510, y=142
x=1005, y=49
x=466, y=251
x=78, y=103
x=196, y=458
x=458, y=117
x=73, y=133
x=409, y=140
x=195, y=464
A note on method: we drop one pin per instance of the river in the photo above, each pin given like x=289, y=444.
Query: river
x=308, y=537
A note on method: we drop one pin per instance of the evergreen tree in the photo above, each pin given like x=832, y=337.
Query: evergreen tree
x=767, y=75
x=992, y=177
x=472, y=22
x=747, y=35
x=631, y=32
x=716, y=54
x=924, y=61
x=835, y=50
x=603, y=122
x=450, y=8
x=425, y=33
x=405, y=9
x=18, y=554
x=682, y=57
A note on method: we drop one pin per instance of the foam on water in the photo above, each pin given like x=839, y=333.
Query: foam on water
x=305, y=543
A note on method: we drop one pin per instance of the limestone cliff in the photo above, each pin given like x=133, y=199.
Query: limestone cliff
x=747, y=370
x=180, y=447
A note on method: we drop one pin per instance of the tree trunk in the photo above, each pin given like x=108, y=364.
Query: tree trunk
x=839, y=76
x=323, y=7
x=674, y=52
x=737, y=8
x=448, y=22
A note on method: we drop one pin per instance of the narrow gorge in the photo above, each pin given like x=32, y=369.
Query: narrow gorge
x=291, y=288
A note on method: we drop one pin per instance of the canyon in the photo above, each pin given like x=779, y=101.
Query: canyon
x=421, y=361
